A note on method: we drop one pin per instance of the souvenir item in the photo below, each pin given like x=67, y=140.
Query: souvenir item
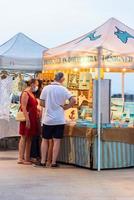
x=83, y=98
x=86, y=113
x=84, y=81
x=5, y=100
x=73, y=82
x=71, y=114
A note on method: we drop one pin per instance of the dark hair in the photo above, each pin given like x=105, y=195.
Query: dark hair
x=31, y=81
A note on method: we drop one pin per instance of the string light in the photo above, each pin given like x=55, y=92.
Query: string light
x=91, y=70
x=107, y=70
x=75, y=69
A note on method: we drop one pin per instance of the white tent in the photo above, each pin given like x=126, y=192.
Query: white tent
x=110, y=45
x=21, y=53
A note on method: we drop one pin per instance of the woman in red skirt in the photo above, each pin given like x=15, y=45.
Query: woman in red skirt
x=29, y=128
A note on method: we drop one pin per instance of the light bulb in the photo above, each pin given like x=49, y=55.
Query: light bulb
x=75, y=69
x=107, y=70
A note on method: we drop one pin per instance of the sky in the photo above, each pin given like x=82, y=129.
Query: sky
x=53, y=22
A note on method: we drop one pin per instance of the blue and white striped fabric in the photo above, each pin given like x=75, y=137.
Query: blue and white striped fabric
x=75, y=150
x=114, y=155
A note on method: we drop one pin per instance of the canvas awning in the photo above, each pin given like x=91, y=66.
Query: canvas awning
x=21, y=53
x=115, y=39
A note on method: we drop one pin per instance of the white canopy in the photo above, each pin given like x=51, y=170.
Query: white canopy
x=111, y=45
x=115, y=38
x=21, y=53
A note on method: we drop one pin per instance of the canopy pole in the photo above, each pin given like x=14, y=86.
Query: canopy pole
x=99, y=103
x=123, y=88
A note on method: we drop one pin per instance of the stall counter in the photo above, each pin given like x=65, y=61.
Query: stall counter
x=79, y=146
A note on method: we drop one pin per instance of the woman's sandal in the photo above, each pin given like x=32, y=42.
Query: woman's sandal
x=20, y=162
x=27, y=163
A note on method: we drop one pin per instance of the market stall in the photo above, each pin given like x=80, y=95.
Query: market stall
x=20, y=58
x=21, y=53
x=84, y=61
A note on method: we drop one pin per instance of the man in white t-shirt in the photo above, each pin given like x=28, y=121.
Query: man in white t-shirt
x=53, y=98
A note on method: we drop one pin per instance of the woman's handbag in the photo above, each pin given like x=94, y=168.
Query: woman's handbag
x=20, y=116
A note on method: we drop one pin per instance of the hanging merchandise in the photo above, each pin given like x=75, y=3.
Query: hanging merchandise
x=84, y=80
x=15, y=88
x=73, y=82
x=80, y=84
x=18, y=84
x=5, y=92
